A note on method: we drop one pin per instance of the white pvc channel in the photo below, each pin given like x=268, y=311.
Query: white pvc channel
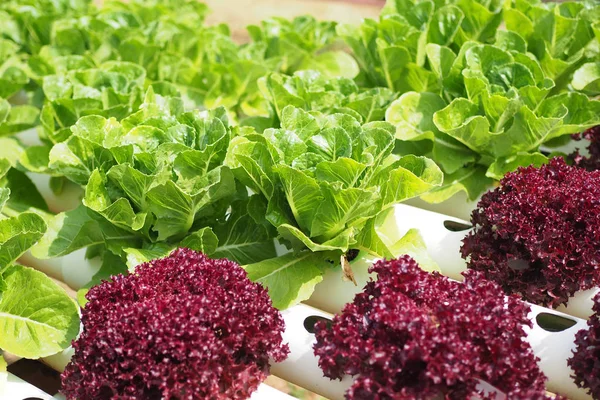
x=443, y=245
x=301, y=368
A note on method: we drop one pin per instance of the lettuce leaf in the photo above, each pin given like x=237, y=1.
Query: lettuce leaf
x=324, y=177
x=156, y=176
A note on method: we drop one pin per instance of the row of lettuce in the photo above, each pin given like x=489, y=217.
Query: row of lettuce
x=179, y=137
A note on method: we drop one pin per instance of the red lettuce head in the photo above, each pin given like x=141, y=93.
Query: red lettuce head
x=185, y=326
x=412, y=334
x=592, y=161
x=538, y=233
x=585, y=361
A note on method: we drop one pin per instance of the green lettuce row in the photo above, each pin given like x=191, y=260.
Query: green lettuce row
x=562, y=36
x=13, y=71
x=37, y=317
x=313, y=91
x=153, y=181
x=207, y=66
x=504, y=115
x=325, y=179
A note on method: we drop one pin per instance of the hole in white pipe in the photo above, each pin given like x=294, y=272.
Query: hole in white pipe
x=553, y=323
x=454, y=226
x=32, y=398
x=310, y=321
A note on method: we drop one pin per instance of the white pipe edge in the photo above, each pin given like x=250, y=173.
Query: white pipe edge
x=458, y=205
x=71, y=194
x=14, y=388
x=73, y=269
x=552, y=348
x=443, y=246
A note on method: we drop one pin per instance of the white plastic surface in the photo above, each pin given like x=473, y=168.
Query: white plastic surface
x=71, y=195
x=553, y=349
x=14, y=388
x=301, y=367
x=580, y=305
x=443, y=246
x=73, y=269
x=68, y=199
x=458, y=205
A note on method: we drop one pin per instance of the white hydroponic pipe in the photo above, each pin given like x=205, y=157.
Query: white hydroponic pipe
x=458, y=206
x=443, y=246
x=553, y=348
x=71, y=194
x=554, y=345
x=301, y=367
x=73, y=269
x=14, y=388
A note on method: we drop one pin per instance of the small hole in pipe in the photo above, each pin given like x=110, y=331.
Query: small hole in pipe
x=454, y=226
x=553, y=323
x=309, y=322
x=32, y=398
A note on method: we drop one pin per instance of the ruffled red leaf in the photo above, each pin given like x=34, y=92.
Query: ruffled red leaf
x=182, y=327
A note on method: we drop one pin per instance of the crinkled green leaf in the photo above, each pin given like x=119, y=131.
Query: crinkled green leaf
x=290, y=278
x=80, y=228
x=18, y=234
x=502, y=166
x=37, y=317
x=587, y=79
x=472, y=180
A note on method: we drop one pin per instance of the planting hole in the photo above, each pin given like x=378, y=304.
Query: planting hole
x=32, y=398
x=553, y=323
x=309, y=322
x=454, y=226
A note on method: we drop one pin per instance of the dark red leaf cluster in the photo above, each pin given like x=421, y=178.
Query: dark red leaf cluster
x=585, y=361
x=538, y=233
x=416, y=335
x=182, y=327
x=592, y=161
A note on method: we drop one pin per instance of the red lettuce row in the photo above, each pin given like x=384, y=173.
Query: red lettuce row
x=585, y=361
x=538, y=233
x=412, y=334
x=185, y=326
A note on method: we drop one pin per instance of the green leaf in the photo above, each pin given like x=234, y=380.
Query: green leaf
x=37, y=317
x=173, y=210
x=412, y=244
x=154, y=251
x=203, y=240
x=472, y=180
x=79, y=228
x=303, y=194
x=290, y=278
x=17, y=235
x=412, y=115
x=3, y=364
x=445, y=23
x=587, y=79
x=502, y=166
x=333, y=64
x=241, y=238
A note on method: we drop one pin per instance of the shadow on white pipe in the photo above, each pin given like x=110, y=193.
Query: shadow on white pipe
x=443, y=238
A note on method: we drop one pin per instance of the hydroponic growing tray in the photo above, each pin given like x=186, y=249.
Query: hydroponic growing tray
x=442, y=226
